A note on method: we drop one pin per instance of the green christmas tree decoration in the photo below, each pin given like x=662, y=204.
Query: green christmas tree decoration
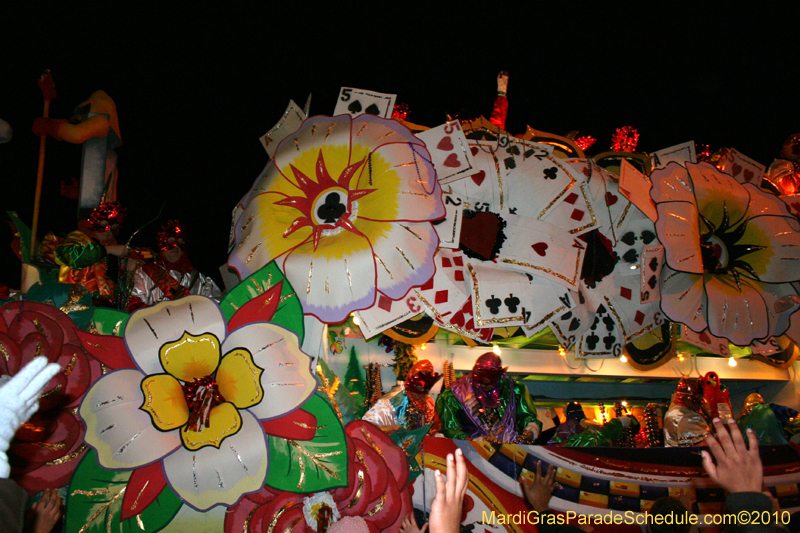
x=404, y=359
x=354, y=377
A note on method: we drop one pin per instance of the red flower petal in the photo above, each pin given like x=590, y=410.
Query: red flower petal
x=297, y=425
x=108, y=349
x=260, y=309
x=144, y=486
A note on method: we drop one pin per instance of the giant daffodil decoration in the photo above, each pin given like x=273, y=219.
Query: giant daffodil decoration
x=345, y=209
x=732, y=251
x=196, y=399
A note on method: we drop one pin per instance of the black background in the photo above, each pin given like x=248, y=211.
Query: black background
x=196, y=84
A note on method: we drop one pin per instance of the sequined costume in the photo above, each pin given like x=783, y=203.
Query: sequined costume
x=784, y=172
x=83, y=261
x=172, y=276
x=486, y=403
x=500, y=107
x=408, y=404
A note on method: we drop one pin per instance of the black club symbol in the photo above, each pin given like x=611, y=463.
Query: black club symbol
x=332, y=209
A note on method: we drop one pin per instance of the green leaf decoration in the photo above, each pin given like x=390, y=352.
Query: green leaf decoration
x=94, y=502
x=75, y=301
x=410, y=441
x=308, y=466
x=347, y=406
x=289, y=314
x=108, y=321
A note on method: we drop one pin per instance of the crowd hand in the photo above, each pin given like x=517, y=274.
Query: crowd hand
x=117, y=249
x=409, y=525
x=737, y=468
x=445, y=514
x=44, y=514
x=539, y=491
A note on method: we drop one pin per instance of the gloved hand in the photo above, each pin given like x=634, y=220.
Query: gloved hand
x=47, y=126
x=19, y=399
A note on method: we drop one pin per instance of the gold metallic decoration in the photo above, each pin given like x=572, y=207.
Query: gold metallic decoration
x=404, y=257
x=253, y=252
x=139, y=522
x=51, y=445
x=572, y=281
x=375, y=510
x=310, y=273
x=39, y=328
x=371, y=442
x=76, y=292
x=359, y=491
x=136, y=501
x=100, y=510
x=71, y=365
x=52, y=391
x=592, y=216
x=379, y=261
x=4, y=351
x=274, y=521
x=314, y=458
x=246, y=526
x=330, y=391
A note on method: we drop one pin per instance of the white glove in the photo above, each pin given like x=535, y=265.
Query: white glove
x=19, y=399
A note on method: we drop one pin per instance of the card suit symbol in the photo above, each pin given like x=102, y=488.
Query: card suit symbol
x=480, y=234
x=566, y=316
x=511, y=302
x=625, y=292
x=458, y=261
x=446, y=262
x=446, y=144
x=592, y=340
x=372, y=110
x=355, y=107
x=577, y=214
x=540, y=248
x=385, y=303
x=474, y=150
x=609, y=341
x=648, y=236
x=452, y=161
x=639, y=318
x=510, y=163
x=653, y=264
x=478, y=177
x=581, y=298
x=609, y=322
x=428, y=286
x=459, y=275
x=611, y=199
x=652, y=282
x=551, y=173
x=571, y=198
x=736, y=169
x=494, y=304
x=748, y=176
x=595, y=322
x=575, y=324
x=528, y=153
x=631, y=256
x=514, y=149
x=458, y=319
x=601, y=309
x=441, y=297
x=629, y=238
x=704, y=338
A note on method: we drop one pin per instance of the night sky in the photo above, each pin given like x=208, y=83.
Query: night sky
x=195, y=86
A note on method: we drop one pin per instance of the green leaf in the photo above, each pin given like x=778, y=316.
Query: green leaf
x=72, y=299
x=347, y=406
x=307, y=466
x=109, y=321
x=94, y=502
x=289, y=314
x=410, y=441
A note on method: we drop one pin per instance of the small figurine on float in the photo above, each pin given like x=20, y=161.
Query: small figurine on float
x=784, y=172
x=83, y=255
x=684, y=423
x=409, y=405
x=95, y=125
x=758, y=415
x=571, y=426
x=172, y=275
x=500, y=107
x=486, y=404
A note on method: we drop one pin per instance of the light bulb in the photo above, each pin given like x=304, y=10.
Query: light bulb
x=732, y=361
x=423, y=346
x=623, y=359
x=496, y=349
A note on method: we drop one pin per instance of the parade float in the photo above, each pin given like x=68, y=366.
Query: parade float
x=368, y=242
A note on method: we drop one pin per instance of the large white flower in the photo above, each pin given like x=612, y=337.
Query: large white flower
x=196, y=399
x=345, y=209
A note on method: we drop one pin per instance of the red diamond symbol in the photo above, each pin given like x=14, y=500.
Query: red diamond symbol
x=428, y=286
x=571, y=199
x=459, y=261
x=459, y=275
x=639, y=317
x=625, y=292
x=577, y=214
x=446, y=262
x=385, y=303
x=441, y=297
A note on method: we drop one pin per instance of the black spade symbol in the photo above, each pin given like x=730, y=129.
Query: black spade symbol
x=372, y=110
x=575, y=324
x=631, y=256
x=652, y=282
x=510, y=163
x=355, y=107
x=648, y=236
x=332, y=209
x=629, y=238
x=653, y=264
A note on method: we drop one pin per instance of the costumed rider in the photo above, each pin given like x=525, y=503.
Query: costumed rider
x=411, y=405
x=571, y=426
x=784, y=172
x=83, y=255
x=172, y=276
x=488, y=405
x=5, y=131
x=500, y=107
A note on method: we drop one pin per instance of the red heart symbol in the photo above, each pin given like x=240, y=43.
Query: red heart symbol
x=748, y=175
x=452, y=161
x=474, y=150
x=479, y=234
x=445, y=144
x=736, y=169
x=611, y=199
x=479, y=177
x=540, y=248
x=704, y=336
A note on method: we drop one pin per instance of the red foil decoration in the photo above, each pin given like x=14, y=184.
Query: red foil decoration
x=625, y=139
